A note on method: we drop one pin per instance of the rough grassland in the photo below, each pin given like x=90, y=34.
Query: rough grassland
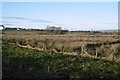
x=27, y=63
x=98, y=45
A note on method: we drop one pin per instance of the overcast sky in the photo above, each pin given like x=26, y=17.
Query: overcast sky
x=68, y=15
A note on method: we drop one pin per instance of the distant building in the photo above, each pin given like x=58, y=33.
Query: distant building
x=2, y=27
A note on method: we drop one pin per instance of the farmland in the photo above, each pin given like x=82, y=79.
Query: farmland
x=29, y=54
x=99, y=45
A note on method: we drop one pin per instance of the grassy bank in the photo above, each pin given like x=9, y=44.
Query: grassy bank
x=27, y=63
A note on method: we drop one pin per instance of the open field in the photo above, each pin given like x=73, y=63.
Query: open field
x=62, y=40
x=99, y=45
x=29, y=54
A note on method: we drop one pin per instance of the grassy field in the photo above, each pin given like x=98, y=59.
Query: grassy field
x=21, y=62
x=100, y=45
x=28, y=54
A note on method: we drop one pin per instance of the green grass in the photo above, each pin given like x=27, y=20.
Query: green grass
x=27, y=63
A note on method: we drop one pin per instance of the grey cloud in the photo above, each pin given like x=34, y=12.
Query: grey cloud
x=8, y=24
x=14, y=18
x=28, y=19
x=42, y=21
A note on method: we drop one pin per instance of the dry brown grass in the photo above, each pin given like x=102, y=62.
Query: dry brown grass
x=102, y=44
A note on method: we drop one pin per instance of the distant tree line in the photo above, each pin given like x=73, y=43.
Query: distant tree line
x=56, y=30
x=48, y=29
x=87, y=31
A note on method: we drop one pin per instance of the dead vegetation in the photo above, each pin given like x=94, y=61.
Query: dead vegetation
x=105, y=46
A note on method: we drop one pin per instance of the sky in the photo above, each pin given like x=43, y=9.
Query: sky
x=68, y=15
x=60, y=0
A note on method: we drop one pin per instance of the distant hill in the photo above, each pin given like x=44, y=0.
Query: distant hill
x=109, y=30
